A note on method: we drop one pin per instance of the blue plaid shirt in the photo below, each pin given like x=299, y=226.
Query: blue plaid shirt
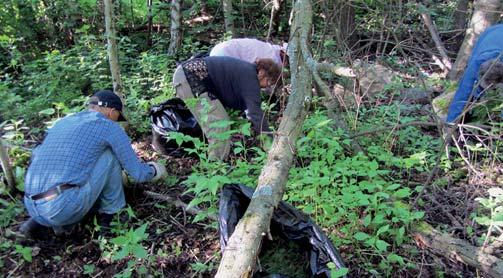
x=72, y=147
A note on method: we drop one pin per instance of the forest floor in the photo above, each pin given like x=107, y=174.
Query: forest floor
x=187, y=245
x=178, y=247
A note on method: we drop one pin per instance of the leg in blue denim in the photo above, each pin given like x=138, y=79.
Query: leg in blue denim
x=103, y=187
x=106, y=184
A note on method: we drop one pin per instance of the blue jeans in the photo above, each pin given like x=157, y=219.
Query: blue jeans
x=104, y=188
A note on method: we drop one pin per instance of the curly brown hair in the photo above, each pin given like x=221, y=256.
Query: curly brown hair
x=271, y=69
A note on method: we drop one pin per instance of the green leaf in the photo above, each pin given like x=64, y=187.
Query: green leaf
x=381, y=245
x=120, y=240
x=361, y=236
x=339, y=272
x=383, y=229
x=139, y=251
x=399, y=235
x=89, y=269
x=246, y=129
x=121, y=254
x=402, y=193
x=48, y=111
x=394, y=258
x=140, y=232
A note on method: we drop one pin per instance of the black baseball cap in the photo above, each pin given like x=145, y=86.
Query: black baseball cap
x=107, y=98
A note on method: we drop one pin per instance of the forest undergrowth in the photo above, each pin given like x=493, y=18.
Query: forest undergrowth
x=368, y=203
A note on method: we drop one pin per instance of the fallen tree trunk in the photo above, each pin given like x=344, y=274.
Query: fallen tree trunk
x=458, y=249
x=240, y=256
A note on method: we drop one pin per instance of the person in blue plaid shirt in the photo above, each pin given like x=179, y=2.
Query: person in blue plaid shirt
x=79, y=166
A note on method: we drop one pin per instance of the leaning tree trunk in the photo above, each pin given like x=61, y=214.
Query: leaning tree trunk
x=485, y=14
x=240, y=255
x=4, y=160
x=112, y=48
x=176, y=27
x=228, y=17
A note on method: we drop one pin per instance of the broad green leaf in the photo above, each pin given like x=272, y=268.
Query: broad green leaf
x=361, y=236
x=48, y=111
x=339, y=272
x=139, y=251
x=402, y=193
x=381, y=245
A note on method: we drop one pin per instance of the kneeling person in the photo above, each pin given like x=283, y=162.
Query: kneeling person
x=79, y=164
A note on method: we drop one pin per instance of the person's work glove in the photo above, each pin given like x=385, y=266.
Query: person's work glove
x=159, y=170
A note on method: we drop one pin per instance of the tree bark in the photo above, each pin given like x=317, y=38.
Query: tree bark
x=228, y=17
x=485, y=14
x=176, y=27
x=112, y=48
x=239, y=258
x=425, y=16
x=274, y=20
x=6, y=168
x=460, y=14
x=344, y=23
x=458, y=249
x=149, y=23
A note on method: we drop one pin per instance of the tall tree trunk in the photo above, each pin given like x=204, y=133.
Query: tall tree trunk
x=460, y=14
x=112, y=48
x=239, y=258
x=228, y=17
x=6, y=168
x=149, y=23
x=344, y=23
x=485, y=14
x=274, y=20
x=176, y=27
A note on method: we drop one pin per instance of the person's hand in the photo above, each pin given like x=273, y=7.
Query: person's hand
x=159, y=170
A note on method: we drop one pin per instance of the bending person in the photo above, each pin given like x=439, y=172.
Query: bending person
x=484, y=70
x=80, y=163
x=224, y=82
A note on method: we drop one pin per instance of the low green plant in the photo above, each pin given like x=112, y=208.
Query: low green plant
x=492, y=216
x=89, y=269
x=201, y=268
x=24, y=251
x=127, y=244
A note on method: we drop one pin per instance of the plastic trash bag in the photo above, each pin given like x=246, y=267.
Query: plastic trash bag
x=287, y=222
x=172, y=116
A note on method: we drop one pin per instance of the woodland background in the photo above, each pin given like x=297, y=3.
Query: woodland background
x=357, y=145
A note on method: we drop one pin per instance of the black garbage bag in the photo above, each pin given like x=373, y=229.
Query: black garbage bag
x=172, y=116
x=287, y=222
